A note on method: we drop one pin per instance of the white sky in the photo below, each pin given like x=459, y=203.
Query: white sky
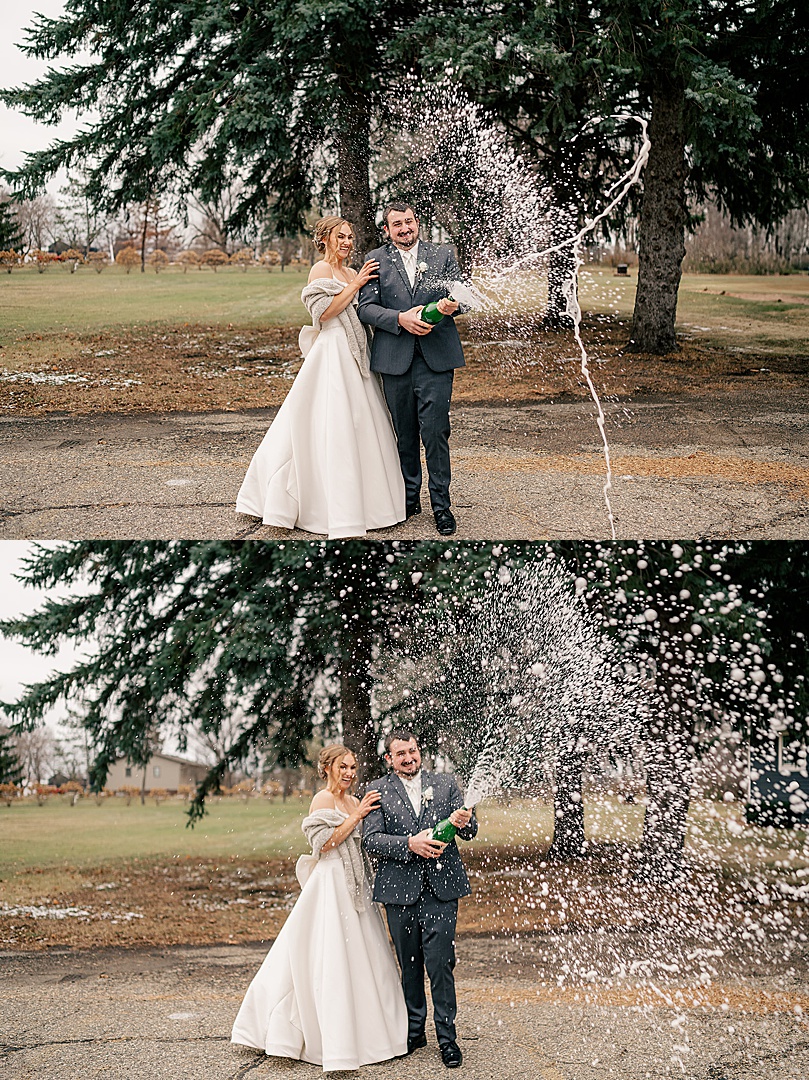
x=18, y=665
x=19, y=134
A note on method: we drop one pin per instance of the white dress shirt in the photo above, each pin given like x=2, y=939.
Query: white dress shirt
x=412, y=785
x=410, y=259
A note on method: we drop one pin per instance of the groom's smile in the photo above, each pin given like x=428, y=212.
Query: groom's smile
x=404, y=757
x=403, y=228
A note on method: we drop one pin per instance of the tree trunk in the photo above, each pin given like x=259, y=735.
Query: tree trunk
x=568, y=833
x=662, y=223
x=561, y=268
x=355, y=696
x=668, y=790
x=143, y=237
x=353, y=156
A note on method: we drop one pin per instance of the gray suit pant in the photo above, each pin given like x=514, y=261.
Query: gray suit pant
x=418, y=402
x=424, y=937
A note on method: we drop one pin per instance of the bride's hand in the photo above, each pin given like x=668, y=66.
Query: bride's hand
x=369, y=802
x=366, y=273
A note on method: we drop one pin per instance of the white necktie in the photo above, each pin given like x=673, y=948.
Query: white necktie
x=409, y=260
x=413, y=789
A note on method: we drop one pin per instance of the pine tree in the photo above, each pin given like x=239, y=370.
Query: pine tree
x=190, y=633
x=272, y=100
x=10, y=233
x=720, y=81
x=355, y=636
x=10, y=770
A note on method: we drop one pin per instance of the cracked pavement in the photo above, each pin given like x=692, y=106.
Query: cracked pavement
x=721, y=468
x=167, y=1012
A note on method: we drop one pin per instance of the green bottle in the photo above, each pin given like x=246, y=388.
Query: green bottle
x=431, y=314
x=444, y=831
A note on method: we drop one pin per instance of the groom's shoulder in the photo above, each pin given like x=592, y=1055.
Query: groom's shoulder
x=378, y=252
x=379, y=784
x=428, y=247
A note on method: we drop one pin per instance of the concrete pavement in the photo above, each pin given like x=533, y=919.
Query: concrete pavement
x=167, y=1013
x=724, y=468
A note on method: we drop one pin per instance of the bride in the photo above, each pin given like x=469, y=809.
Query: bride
x=329, y=463
x=329, y=990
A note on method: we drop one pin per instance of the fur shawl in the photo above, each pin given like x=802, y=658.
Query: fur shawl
x=317, y=296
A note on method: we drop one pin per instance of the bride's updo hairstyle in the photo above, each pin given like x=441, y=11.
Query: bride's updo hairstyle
x=336, y=752
x=322, y=230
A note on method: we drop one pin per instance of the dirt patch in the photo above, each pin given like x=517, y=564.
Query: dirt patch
x=188, y=901
x=793, y=478
x=201, y=369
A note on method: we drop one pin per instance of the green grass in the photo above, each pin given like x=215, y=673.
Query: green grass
x=764, y=314
x=748, y=313
x=33, y=303
x=88, y=835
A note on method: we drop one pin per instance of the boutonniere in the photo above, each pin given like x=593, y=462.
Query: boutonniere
x=427, y=795
x=422, y=267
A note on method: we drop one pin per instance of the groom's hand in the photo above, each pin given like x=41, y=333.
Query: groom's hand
x=423, y=844
x=460, y=818
x=410, y=321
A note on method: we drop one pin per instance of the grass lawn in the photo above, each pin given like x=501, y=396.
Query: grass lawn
x=34, y=303
x=134, y=875
x=89, y=835
x=88, y=343
x=748, y=312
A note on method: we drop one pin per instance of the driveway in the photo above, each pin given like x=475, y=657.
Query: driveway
x=729, y=467
x=166, y=1013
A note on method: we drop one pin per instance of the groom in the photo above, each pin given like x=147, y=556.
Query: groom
x=419, y=881
x=416, y=359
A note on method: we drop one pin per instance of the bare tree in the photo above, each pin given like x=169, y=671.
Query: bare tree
x=37, y=222
x=211, y=229
x=36, y=752
x=78, y=223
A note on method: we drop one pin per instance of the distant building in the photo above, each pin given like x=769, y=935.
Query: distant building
x=58, y=779
x=779, y=784
x=163, y=771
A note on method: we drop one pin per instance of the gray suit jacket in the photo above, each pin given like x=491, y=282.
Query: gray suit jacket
x=381, y=300
x=401, y=875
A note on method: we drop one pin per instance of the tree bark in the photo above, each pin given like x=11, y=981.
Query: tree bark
x=355, y=696
x=662, y=223
x=353, y=157
x=668, y=790
x=569, y=841
x=561, y=268
x=144, y=234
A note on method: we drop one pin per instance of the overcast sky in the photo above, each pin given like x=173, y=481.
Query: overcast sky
x=18, y=134
x=18, y=665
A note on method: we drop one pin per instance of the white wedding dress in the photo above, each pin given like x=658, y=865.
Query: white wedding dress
x=329, y=463
x=328, y=991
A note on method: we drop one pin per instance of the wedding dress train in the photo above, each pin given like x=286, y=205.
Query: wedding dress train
x=329, y=463
x=329, y=991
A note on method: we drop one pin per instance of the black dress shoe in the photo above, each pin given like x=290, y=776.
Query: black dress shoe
x=445, y=522
x=451, y=1055
x=416, y=1042
x=412, y=509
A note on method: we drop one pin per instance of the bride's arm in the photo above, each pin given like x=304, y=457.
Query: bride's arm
x=347, y=294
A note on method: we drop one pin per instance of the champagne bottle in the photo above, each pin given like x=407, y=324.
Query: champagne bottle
x=444, y=831
x=430, y=312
